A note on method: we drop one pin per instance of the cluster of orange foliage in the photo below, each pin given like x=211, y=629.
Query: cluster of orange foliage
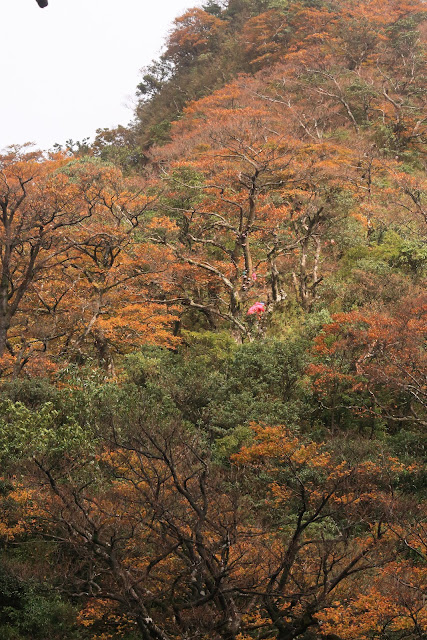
x=194, y=32
x=278, y=543
x=253, y=198
x=74, y=273
x=260, y=174
x=242, y=205
x=380, y=354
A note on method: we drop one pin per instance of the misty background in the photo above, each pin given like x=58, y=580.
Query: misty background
x=73, y=67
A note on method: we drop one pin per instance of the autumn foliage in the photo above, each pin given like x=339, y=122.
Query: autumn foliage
x=213, y=342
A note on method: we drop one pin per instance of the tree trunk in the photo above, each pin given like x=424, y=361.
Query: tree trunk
x=105, y=358
x=4, y=329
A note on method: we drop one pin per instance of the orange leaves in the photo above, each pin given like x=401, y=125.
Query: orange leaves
x=105, y=614
x=385, y=347
x=343, y=32
x=373, y=364
x=195, y=31
x=279, y=445
x=18, y=510
x=254, y=190
x=140, y=321
x=289, y=524
x=94, y=611
x=77, y=272
x=393, y=603
x=164, y=223
x=264, y=37
x=373, y=11
x=301, y=472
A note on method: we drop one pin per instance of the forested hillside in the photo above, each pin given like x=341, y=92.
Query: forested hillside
x=213, y=327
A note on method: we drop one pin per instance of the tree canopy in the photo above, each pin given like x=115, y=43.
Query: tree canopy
x=213, y=373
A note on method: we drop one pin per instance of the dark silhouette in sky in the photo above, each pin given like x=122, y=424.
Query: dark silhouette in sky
x=42, y=3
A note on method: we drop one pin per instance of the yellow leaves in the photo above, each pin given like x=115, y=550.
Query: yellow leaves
x=277, y=443
x=93, y=611
x=162, y=222
x=363, y=616
x=280, y=493
x=18, y=511
x=393, y=600
x=105, y=612
x=138, y=322
x=10, y=532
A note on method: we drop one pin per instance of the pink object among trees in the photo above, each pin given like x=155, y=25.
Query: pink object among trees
x=258, y=307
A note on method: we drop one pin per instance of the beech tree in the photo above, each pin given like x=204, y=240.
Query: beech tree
x=105, y=284
x=252, y=203
x=38, y=205
x=71, y=266
x=271, y=191
x=195, y=32
x=379, y=353
x=178, y=546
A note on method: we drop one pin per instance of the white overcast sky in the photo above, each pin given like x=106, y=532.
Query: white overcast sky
x=73, y=67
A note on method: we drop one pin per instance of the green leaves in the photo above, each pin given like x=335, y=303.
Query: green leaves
x=26, y=433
